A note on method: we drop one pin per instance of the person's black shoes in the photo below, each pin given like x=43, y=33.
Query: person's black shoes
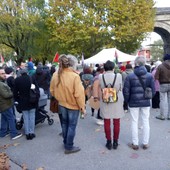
x=30, y=136
x=73, y=150
x=115, y=144
x=109, y=144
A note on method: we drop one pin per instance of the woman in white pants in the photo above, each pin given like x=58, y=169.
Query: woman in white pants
x=133, y=92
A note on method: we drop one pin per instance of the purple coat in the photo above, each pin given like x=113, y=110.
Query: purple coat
x=157, y=85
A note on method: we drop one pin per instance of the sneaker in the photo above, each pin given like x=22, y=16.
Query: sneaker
x=100, y=122
x=31, y=136
x=7, y=135
x=17, y=136
x=27, y=137
x=134, y=147
x=160, y=117
x=73, y=150
x=146, y=146
x=125, y=111
x=168, y=118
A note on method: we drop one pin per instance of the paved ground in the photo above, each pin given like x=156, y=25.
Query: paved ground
x=46, y=150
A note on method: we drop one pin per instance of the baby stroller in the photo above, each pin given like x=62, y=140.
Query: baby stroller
x=41, y=113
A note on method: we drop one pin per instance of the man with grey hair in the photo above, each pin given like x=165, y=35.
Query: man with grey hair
x=133, y=92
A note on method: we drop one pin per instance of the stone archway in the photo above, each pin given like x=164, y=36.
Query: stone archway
x=162, y=27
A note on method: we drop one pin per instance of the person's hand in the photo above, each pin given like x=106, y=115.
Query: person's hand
x=84, y=112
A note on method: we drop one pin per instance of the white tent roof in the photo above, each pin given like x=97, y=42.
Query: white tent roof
x=109, y=54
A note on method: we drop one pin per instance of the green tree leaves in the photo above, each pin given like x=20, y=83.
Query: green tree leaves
x=31, y=28
x=89, y=26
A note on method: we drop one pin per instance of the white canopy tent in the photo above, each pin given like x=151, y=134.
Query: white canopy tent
x=109, y=54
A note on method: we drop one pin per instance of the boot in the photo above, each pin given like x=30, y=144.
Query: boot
x=115, y=144
x=109, y=144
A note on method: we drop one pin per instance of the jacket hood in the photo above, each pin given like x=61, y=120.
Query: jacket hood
x=167, y=64
x=140, y=70
x=39, y=70
x=128, y=71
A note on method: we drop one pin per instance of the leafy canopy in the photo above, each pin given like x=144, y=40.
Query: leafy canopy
x=88, y=26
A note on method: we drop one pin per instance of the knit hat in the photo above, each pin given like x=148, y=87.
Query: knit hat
x=8, y=70
x=166, y=57
x=30, y=65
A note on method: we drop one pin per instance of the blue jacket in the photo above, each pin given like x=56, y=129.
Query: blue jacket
x=133, y=91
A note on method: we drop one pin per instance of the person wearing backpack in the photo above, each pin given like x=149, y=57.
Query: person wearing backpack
x=110, y=111
x=22, y=87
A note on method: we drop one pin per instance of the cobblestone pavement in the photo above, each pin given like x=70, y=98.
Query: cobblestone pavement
x=46, y=151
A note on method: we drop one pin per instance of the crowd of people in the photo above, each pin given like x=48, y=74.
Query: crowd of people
x=15, y=93
x=73, y=89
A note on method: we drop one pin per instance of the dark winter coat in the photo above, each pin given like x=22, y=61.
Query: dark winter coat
x=133, y=91
x=163, y=72
x=42, y=78
x=10, y=81
x=6, y=96
x=21, y=92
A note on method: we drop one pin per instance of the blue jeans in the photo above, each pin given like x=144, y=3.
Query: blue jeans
x=8, y=123
x=165, y=99
x=29, y=121
x=69, y=123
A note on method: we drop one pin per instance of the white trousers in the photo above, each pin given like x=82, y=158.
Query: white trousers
x=145, y=113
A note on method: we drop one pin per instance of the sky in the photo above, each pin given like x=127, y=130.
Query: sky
x=154, y=36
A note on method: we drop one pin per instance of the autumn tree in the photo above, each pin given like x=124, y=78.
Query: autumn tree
x=157, y=50
x=23, y=29
x=88, y=26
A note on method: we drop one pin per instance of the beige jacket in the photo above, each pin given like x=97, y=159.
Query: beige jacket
x=111, y=110
x=70, y=91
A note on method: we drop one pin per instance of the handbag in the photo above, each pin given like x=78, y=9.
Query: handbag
x=147, y=90
x=93, y=104
x=54, y=105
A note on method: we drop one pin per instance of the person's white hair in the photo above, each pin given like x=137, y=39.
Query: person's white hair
x=140, y=61
x=73, y=62
x=158, y=63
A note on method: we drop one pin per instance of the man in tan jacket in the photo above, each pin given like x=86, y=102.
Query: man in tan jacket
x=67, y=88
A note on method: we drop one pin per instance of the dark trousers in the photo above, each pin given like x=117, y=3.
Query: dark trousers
x=156, y=101
x=125, y=106
x=116, y=129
